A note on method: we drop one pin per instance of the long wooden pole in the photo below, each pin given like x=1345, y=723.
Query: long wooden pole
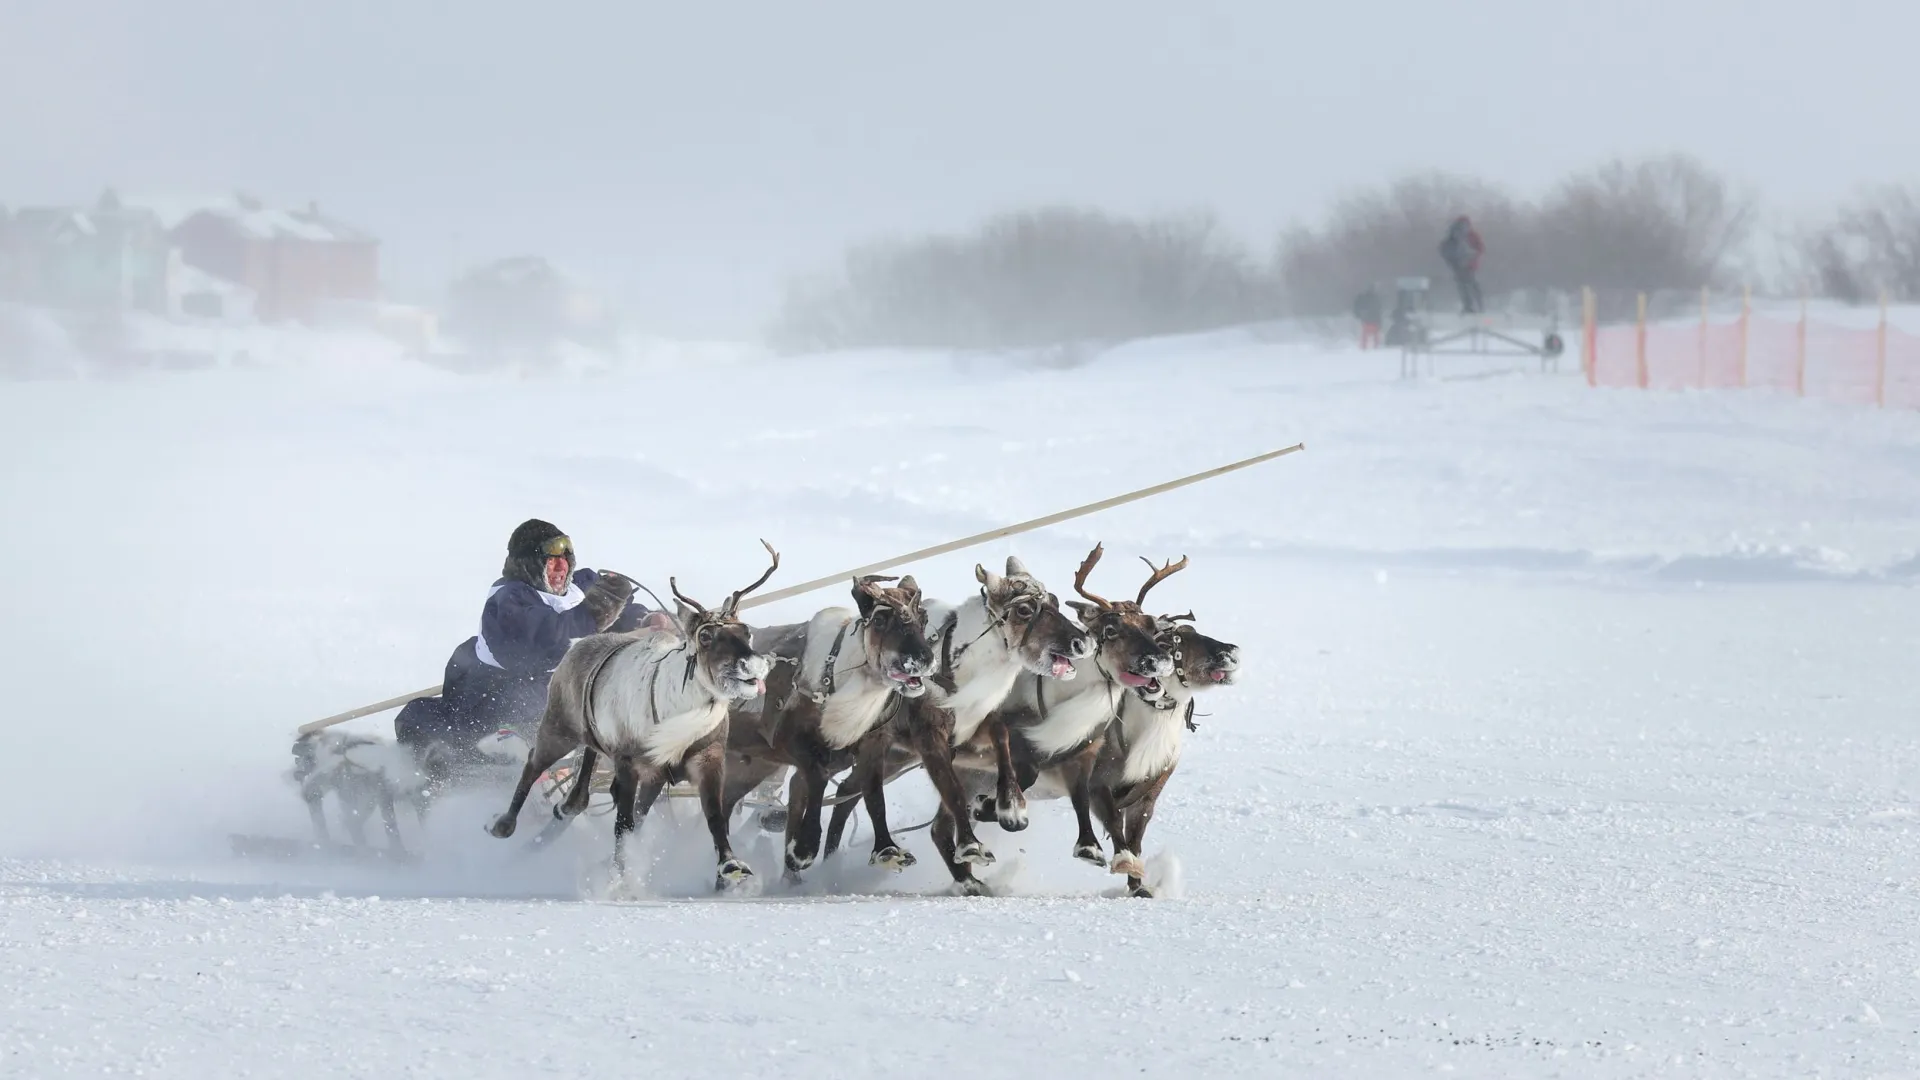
x=886, y=564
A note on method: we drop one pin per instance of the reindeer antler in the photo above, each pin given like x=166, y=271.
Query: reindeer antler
x=673, y=586
x=733, y=602
x=1080, y=576
x=1188, y=617
x=1160, y=574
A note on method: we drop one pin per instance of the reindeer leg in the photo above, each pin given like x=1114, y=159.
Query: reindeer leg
x=549, y=746
x=645, y=782
x=1009, y=802
x=1078, y=771
x=391, y=820
x=626, y=786
x=708, y=769
x=582, y=789
x=943, y=833
x=804, y=793
x=869, y=777
x=932, y=729
x=1137, y=817
x=355, y=812
x=313, y=794
x=842, y=812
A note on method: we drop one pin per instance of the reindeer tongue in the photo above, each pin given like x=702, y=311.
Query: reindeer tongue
x=1062, y=667
x=759, y=686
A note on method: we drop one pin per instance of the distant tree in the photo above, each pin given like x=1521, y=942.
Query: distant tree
x=1872, y=243
x=1658, y=223
x=1379, y=234
x=1031, y=278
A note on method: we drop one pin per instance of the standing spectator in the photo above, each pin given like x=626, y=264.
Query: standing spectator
x=1368, y=308
x=1462, y=250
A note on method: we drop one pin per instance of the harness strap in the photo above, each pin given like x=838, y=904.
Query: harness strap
x=827, y=670
x=944, y=677
x=1191, y=726
x=586, y=707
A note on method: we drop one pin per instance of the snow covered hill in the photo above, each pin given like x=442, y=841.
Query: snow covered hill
x=1576, y=734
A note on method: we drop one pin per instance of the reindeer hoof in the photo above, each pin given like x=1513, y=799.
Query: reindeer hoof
x=974, y=854
x=1091, y=855
x=1128, y=863
x=893, y=858
x=791, y=879
x=732, y=872
x=1012, y=816
x=971, y=887
x=503, y=826
x=1141, y=892
x=796, y=861
x=983, y=810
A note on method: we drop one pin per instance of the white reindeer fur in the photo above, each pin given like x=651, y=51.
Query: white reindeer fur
x=1152, y=736
x=859, y=697
x=644, y=699
x=1075, y=712
x=983, y=675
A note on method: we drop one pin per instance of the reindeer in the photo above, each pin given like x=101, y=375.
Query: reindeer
x=655, y=703
x=1014, y=626
x=1142, y=746
x=843, y=672
x=1056, y=727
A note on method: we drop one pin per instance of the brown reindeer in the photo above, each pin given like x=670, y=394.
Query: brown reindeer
x=1142, y=746
x=1057, y=727
x=844, y=672
x=655, y=704
x=1013, y=627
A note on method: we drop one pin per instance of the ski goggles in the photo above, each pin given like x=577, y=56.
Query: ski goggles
x=559, y=547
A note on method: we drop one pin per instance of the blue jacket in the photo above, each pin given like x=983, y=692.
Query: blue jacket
x=525, y=631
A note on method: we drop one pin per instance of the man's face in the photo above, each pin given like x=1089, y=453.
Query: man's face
x=556, y=575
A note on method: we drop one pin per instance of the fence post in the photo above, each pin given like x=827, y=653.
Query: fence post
x=1640, y=340
x=1800, y=349
x=1746, y=329
x=1703, y=336
x=1880, y=356
x=1590, y=335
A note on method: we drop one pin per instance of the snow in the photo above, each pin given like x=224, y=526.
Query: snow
x=1574, y=737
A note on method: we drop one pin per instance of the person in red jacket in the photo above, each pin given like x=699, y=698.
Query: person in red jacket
x=1462, y=250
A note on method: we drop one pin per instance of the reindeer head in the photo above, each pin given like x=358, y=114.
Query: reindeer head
x=1036, y=630
x=1199, y=662
x=723, y=659
x=893, y=627
x=1126, y=638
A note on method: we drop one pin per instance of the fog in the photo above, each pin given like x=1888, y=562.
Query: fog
x=690, y=158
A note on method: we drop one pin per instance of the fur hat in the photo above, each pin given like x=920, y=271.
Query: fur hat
x=527, y=555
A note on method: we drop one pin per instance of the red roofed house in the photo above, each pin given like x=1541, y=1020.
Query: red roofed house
x=295, y=261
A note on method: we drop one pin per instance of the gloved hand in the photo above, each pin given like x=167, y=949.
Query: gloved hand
x=607, y=597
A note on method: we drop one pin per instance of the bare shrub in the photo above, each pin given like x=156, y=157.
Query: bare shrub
x=1872, y=243
x=1384, y=233
x=1664, y=223
x=1031, y=278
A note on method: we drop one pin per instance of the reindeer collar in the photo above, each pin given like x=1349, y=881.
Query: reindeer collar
x=827, y=683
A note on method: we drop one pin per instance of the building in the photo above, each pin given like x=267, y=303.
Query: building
x=110, y=257
x=293, y=261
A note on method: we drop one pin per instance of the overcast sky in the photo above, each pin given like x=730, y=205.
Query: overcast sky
x=692, y=155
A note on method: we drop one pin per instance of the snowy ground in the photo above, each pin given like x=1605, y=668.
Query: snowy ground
x=1576, y=738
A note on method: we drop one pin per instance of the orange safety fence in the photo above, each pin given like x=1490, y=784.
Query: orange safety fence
x=1878, y=365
